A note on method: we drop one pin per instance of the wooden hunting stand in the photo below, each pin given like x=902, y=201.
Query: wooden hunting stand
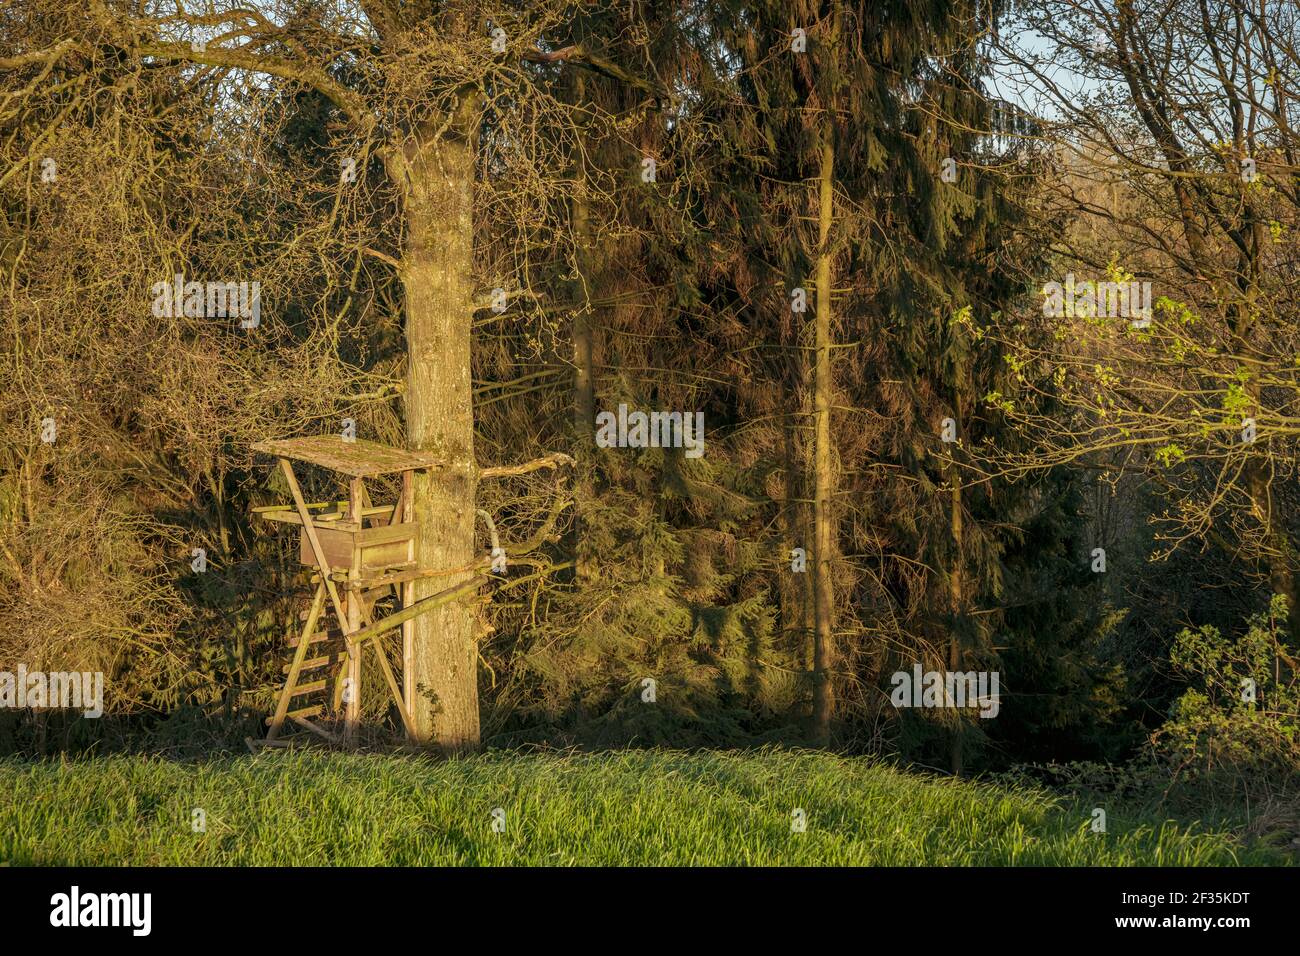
x=364, y=562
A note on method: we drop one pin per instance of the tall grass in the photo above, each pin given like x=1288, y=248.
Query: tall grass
x=627, y=808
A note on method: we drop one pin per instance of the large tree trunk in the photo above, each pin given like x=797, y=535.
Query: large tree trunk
x=823, y=595
x=436, y=175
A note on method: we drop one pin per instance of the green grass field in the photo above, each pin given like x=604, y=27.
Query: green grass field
x=627, y=808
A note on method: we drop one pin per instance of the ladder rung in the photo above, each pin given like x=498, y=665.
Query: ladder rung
x=313, y=663
x=317, y=638
x=326, y=615
x=309, y=688
x=302, y=712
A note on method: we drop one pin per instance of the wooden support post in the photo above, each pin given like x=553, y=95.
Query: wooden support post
x=342, y=676
x=352, y=715
x=406, y=510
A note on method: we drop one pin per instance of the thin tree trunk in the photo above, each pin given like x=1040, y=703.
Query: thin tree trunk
x=794, y=588
x=1276, y=540
x=823, y=594
x=437, y=178
x=584, y=371
x=956, y=596
x=1263, y=501
x=584, y=378
x=584, y=392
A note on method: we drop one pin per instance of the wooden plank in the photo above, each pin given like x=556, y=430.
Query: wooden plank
x=291, y=517
x=303, y=712
x=336, y=544
x=356, y=459
x=311, y=688
x=381, y=547
x=387, y=534
x=311, y=506
x=314, y=663
x=316, y=638
x=306, y=724
x=340, y=506
x=328, y=519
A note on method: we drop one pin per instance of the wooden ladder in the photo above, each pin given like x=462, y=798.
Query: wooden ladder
x=315, y=657
x=317, y=651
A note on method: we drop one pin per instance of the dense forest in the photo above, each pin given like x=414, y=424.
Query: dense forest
x=774, y=354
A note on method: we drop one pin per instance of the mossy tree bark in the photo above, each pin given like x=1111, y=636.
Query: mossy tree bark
x=435, y=173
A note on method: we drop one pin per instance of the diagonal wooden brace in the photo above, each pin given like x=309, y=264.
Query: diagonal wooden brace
x=314, y=540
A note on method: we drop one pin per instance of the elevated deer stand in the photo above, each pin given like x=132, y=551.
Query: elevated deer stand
x=363, y=562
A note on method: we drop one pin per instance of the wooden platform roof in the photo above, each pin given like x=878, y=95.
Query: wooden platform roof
x=357, y=459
